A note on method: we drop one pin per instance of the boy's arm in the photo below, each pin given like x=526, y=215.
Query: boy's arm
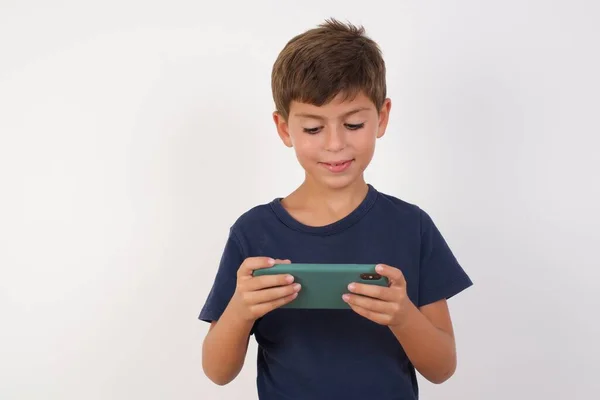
x=225, y=346
x=427, y=338
x=424, y=328
x=426, y=335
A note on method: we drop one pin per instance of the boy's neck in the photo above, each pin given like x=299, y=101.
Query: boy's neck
x=316, y=205
x=316, y=193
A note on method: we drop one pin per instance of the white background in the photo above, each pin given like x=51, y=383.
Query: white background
x=134, y=133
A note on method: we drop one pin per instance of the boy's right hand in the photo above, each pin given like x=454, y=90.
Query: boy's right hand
x=257, y=295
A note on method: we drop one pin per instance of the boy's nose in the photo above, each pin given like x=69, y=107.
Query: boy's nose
x=335, y=139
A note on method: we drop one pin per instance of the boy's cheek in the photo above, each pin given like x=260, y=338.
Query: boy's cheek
x=307, y=154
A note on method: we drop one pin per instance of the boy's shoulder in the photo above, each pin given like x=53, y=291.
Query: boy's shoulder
x=391, y=208
x=255, y=215
x=399, y=205
x=384, y=205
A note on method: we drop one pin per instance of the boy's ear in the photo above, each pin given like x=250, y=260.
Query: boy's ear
x=384, y=117
x=282, y=129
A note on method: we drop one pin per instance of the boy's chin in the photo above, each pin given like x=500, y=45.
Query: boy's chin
x=340, y=182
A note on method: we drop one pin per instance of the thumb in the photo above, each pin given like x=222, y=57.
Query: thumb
x=394, y=275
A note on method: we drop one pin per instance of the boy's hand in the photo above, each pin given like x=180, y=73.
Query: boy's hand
x=383, y=305
x=257, y=295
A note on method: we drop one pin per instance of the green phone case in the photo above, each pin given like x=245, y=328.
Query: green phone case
x=324, y=284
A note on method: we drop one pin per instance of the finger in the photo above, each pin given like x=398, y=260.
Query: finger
x=368, y=303
x=377, y=292
x=395, y=276
x=267, y=281
x=253, y=263
x=264, y=308
x=267, y=295
x=379, y=318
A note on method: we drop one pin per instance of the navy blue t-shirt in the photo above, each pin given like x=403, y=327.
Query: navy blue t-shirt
x=338, y=354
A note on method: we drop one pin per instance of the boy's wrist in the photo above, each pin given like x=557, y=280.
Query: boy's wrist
x=237, y=319
x=410, y=314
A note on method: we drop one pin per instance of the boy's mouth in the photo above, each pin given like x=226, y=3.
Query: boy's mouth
x=337, y=166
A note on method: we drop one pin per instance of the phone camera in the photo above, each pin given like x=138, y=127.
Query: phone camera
x=370, y=277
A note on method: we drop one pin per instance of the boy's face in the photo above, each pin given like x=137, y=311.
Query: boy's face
x=334, y=143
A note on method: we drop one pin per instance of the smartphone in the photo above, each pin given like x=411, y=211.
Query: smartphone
x=324, y=284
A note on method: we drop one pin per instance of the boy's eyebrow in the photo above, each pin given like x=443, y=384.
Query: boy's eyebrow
x=315, y=116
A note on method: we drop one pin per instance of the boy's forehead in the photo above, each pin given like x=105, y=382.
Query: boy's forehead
x=339, y=106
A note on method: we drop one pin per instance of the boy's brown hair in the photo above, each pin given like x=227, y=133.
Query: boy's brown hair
x=321, y=63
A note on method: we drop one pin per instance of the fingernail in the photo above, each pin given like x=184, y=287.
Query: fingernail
x=345, y=297
x=351, y=286
x=271, y=261
x=297, y=287
x=289, y=278
x=379, y=268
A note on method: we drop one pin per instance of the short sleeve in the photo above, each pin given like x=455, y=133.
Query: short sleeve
x=440, y=274
x=225, y=281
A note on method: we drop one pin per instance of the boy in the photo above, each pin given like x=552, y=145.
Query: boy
x=330, y=94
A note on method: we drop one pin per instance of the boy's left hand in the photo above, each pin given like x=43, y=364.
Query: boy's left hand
x=383, y=305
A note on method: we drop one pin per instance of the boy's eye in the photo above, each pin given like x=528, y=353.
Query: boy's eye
x=354, y=127
x=312, y=131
